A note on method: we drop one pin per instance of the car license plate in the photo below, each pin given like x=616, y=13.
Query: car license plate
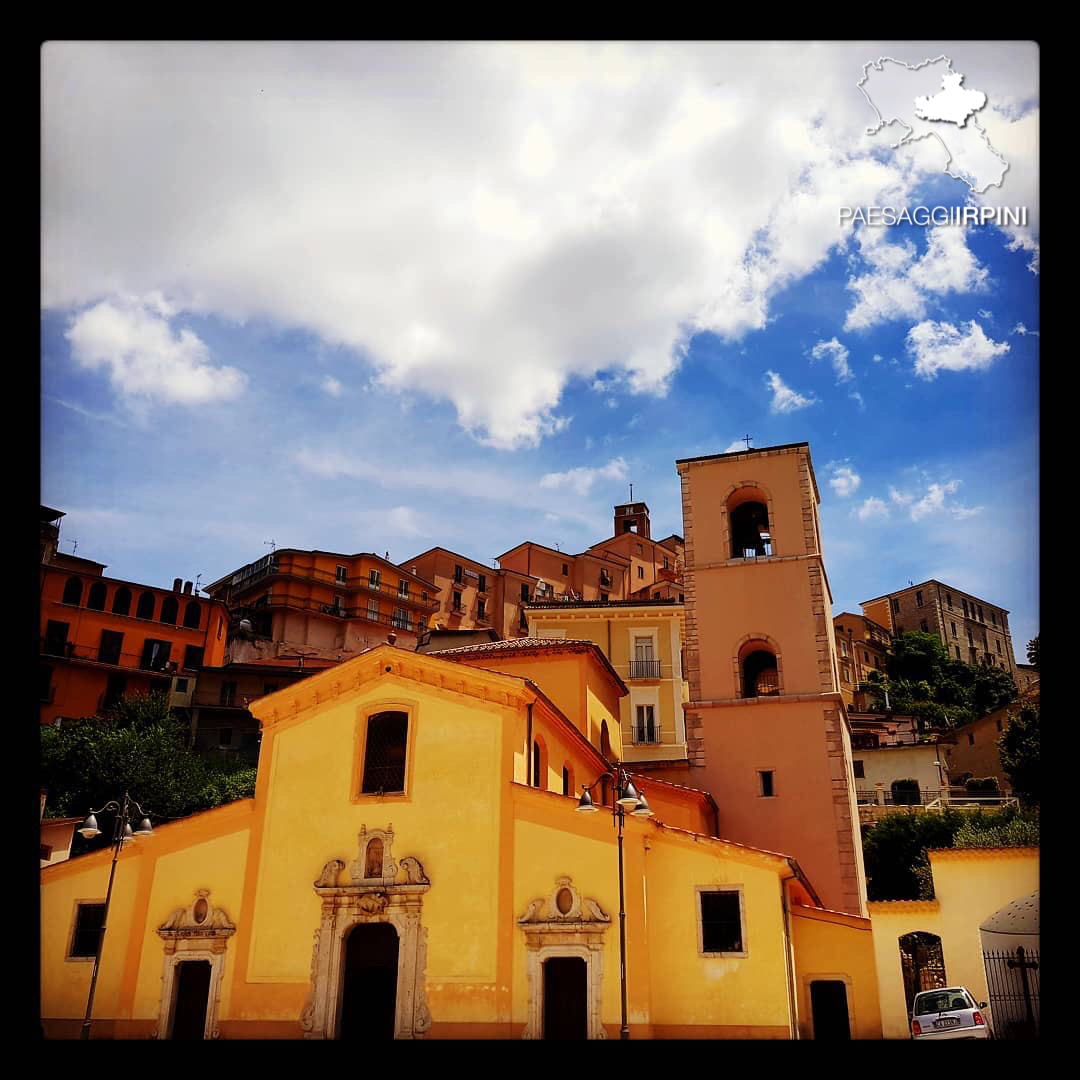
x=949, y=1021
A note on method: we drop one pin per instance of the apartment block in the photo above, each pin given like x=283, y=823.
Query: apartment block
x=642, y=639
x=972, y=629
x=861, y=647
x=322, y=603
x=103, y=638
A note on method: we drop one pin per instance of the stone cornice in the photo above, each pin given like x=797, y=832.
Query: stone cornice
x=494, y=688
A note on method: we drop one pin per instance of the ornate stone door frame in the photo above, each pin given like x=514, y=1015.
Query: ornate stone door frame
x=393, y=894
x=564, y=924
x=197, y=932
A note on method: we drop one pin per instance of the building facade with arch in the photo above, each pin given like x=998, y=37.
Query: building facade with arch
x=403, y=872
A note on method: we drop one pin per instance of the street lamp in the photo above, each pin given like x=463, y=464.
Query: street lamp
x=627, y=798
x=125, y=811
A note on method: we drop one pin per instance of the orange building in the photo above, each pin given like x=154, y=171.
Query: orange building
x=103, y=638
x=467, y=590
x=324, y=603
x=862, y=646
x=766, y=726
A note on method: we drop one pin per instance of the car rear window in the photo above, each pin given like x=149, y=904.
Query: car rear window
x=941, y=1002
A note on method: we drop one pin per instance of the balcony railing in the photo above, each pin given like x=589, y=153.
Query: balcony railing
x=358, y=585
x=359, y=611
x=930, y=798
x=645, y=734
x=68, y=650
x=644, y=669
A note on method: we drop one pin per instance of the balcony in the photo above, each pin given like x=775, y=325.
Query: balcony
x=644, y=669
x=91, y=654
x=305, y=603
x=645, y=734
x=357, y=586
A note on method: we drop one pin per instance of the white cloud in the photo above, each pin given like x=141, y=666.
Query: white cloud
x=877, y=358
x=581, y=480
x=985, y=313
x=900, y=285
x=934, y=500
x=390, y=199
x=1022, y=330
x=785, y=399
x=858, y=399
x=332, y=386
x=872, y=509
x=146, y=360
x=734, y=447
x=944, y=347
x=839, y=357
x=845, y=480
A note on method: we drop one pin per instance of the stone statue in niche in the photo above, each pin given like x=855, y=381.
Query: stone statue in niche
x=373, y=864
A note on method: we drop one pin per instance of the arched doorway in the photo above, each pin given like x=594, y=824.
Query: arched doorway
x=369, y=982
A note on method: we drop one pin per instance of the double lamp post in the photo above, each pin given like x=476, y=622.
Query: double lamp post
x=628, y=800
x=126, y=811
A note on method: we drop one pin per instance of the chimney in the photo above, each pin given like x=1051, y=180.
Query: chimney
x=176, y=585
x=187, y=588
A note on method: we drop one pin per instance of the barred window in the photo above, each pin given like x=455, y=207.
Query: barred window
x=88, y=922
x=721, y=922
x=384, y=753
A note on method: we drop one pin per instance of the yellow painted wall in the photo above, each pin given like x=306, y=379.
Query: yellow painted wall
x=154, y=876
x=717, y=992
x=969, y=885
x=829, y=945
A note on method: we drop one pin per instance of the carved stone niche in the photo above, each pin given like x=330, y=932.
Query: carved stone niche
x=378, y=889
x=564, y=923
x=199, y=931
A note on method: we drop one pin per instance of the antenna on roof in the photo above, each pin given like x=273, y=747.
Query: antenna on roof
x=74, y=546
x=746, y=439
x=557, y=548
x=198, y=579
x=270, y=544
x=631, y=491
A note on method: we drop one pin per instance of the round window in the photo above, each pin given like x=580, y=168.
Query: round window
x=564, y=901
x=200, y=910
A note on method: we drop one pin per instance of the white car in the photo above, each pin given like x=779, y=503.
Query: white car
x=949, y=1014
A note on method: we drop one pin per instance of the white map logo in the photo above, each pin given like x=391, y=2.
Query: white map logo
x=928, y=99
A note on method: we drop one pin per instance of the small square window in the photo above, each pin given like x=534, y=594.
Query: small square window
x=565, y=569
x=766, y=777
x=721, y=922
x=860, y=770
x=641, y=571
x=89, y=919
x=342, y=575
x=918, y=599
x=180, y=686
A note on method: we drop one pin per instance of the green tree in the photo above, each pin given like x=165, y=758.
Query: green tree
x=1018, y=749
x=916, y=657
x=140, y=748
x=895, y=847
x=1033, y=652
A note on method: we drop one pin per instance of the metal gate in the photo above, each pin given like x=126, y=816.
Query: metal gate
x=922, y=963
x=1012, y=978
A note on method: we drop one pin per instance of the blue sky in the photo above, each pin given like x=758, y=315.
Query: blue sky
x=303, y=295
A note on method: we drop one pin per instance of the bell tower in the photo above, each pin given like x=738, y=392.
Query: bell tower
x=632, y=517
x=765, y=722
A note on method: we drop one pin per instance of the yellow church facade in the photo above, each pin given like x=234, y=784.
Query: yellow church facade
x=412, y=866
